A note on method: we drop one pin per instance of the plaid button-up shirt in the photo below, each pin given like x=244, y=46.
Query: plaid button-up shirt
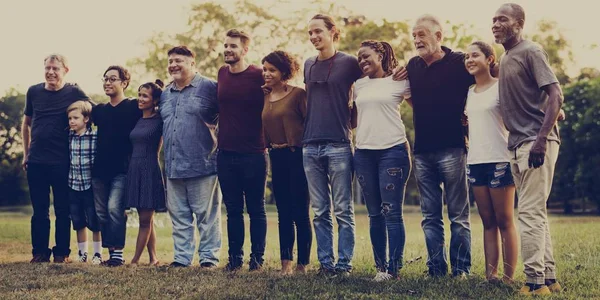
x=83, y=151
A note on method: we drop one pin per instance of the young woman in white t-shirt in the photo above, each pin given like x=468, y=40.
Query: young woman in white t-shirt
x=488, y=163
x=382, y=159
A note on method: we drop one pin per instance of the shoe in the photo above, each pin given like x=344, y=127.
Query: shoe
x=232, y=267
x=327, y=273
x=177, y=265
x=255, y=265
x=382, y=276
x=113, y=262
x=555, y=287
x=83, y=257
x=208, y=266
x=542, y=291
x=343, y=273
x=461, y=276
x=40, y=258
x=97, y=259
x=62, y=259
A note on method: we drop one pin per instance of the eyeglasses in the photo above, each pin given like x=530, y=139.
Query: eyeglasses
x=328, y=72
x=110, y=79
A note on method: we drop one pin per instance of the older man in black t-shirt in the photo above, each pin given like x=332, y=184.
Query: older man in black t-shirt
x=46, y=157
x=439, y=83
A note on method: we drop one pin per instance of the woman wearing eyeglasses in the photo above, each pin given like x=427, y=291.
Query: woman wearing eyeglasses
x=327, y=152
x=382, y=158
x=283, y=122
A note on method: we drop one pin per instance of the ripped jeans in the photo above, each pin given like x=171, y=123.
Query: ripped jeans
x=382, y=175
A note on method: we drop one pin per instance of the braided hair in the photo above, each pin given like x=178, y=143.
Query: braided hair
x=388, y=61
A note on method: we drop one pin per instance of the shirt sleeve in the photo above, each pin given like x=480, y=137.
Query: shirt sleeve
x=467, y=78
x=407, y=94
x=209, y=109
x=540, y=68
x=81, y=95
x=301, y=101
x=28, y=103
x=356, y=69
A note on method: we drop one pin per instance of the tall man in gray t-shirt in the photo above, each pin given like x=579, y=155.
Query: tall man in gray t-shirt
x=327, y=151
x=530, y=98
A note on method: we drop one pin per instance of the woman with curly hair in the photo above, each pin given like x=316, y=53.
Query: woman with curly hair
x=283, y=122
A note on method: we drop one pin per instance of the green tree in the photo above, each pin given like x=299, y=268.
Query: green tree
x=208, y=24
x=12, y=178
x=578, y=166
x=558, y=47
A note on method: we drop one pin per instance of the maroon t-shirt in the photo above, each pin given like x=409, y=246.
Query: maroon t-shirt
x=241, y=102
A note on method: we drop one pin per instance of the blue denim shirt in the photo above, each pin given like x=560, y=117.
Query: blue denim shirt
x=188, y=142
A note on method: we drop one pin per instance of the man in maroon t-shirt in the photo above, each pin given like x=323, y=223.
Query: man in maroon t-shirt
x=241, y=161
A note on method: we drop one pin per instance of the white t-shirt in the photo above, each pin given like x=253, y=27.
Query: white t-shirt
x=379, y=125
x=488, y=137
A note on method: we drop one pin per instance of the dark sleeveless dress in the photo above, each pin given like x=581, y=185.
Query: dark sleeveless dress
x=145, y=188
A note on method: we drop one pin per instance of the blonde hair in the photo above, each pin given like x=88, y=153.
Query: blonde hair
x=57, y=57
x=83, y=106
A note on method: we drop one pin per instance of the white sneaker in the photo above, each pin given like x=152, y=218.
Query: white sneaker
x=382, y=276
x=97, y=259
x=83, y=257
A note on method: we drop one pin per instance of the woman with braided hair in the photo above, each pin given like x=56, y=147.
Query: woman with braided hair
x=382, y=159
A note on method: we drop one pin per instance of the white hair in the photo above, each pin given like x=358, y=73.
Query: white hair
x=434, y=23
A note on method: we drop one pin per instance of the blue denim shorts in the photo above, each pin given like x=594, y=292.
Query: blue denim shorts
x=492, y=175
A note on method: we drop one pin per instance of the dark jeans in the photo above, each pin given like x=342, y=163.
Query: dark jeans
x=83, y=211
x=291, y=196
x=40, y=178
x=448, y=168
x=382, y=175
x=110, y=202
x=243, y=177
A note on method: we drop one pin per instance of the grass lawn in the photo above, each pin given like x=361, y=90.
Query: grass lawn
x=576, y=249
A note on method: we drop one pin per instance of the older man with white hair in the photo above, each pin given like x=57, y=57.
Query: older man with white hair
x=439, y=84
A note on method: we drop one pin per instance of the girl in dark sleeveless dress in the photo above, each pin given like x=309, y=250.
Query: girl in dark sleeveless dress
x=144, y=179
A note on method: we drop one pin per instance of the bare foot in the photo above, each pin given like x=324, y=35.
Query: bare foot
x=286, y=267
x=154, y=263
x=508, y=280
x=133, y=264
x=301, y=269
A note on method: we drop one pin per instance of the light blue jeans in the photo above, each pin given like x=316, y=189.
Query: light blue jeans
x=328, y=164
x=445, y=167
x=199, y=196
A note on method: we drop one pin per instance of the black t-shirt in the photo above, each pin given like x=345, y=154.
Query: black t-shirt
x=114, y=123
x=50, y=124
x=439, y=93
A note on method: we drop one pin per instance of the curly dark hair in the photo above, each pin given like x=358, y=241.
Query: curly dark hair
x=389, y=61
x=284, y=62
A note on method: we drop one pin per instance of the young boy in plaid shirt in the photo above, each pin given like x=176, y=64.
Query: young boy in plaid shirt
x=82, y=145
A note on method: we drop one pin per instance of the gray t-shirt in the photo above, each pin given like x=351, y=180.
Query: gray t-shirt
x=328, y=84
x=524, y=70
